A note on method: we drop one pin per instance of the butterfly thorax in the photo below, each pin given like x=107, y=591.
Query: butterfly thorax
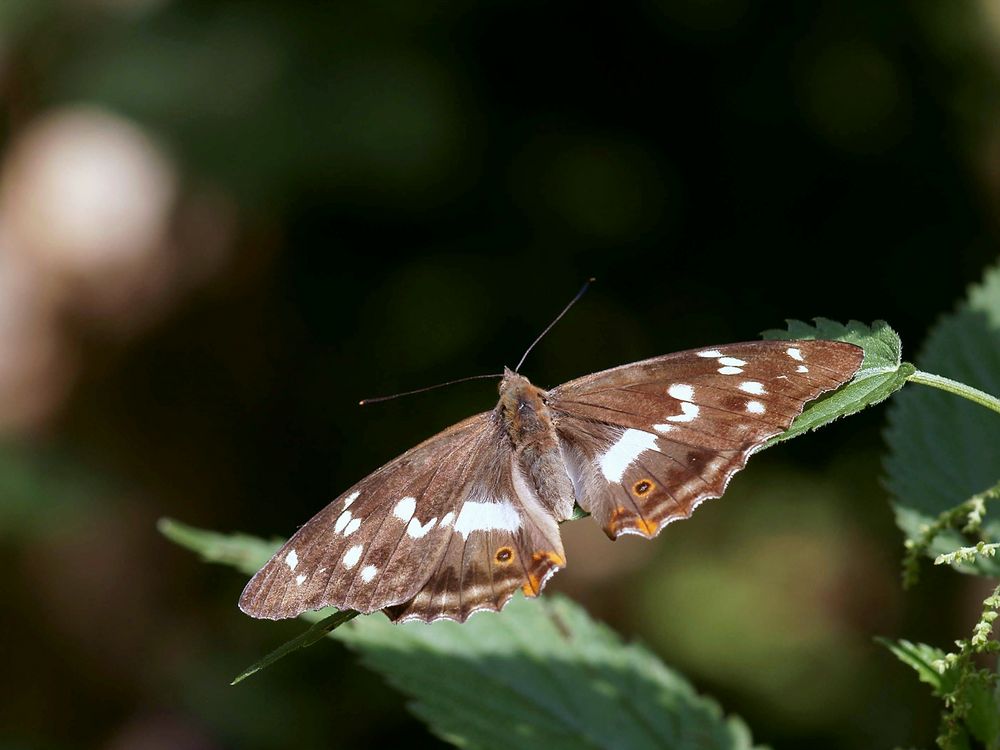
x=522, y=407
x=529, y=425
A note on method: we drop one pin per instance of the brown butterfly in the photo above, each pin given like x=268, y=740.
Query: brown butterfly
x=460, y=522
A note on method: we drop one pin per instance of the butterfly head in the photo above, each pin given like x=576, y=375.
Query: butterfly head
x=521, y=403
x=513, y=383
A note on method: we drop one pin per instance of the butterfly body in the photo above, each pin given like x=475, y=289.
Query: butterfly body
x=530, y=427
x=460, y=522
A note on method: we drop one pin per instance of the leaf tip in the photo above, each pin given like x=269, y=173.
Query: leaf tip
x=173, y=530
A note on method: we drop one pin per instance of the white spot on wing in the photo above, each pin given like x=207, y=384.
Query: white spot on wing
x=663, y=427
x=415, y=530
x=681, y=392
x=710, y=353
x=621, y=455
x=404, y=509
x=299, y=579
x=801, y=368
x=795, y=354
x=755, y=407
x=752, y=386
x=342, y=520
x=291, y=560
x=731, y=362
x=368, y=573
x=488, y=516
x=350, y=499
x=352, y=556
x=689, y=412
x=352, y=526
x=730, y=370
x=448, y=518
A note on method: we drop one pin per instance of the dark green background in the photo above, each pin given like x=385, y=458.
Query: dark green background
x=419, y=188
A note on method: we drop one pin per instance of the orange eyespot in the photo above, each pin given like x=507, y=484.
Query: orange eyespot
x=505, y=554
x=642, y=487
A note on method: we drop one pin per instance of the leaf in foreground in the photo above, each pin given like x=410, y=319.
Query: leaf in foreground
x=882, y=371
x=923, y=660
x=541, y=674
x=943, y=449
x=972, y=704
x=241, y=551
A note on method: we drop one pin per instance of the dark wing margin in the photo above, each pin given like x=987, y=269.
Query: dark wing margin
x=646, y=443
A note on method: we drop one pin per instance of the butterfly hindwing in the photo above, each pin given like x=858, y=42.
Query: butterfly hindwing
x=505, y=539
x=646, y=443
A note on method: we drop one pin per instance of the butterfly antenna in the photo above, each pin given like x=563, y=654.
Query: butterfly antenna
x=548, y=328
x=365, y=401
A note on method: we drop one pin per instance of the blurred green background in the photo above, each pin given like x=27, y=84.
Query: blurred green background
x=223, y=223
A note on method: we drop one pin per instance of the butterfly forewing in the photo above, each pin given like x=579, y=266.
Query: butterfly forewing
x=376, y=544
x=646, y=443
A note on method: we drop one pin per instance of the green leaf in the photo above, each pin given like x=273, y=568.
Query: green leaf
x=924, y=659
x=245, y=553
x=882, y=370
x=943, y=449
x=541, y=674
x=970, y=695
x=983, y=714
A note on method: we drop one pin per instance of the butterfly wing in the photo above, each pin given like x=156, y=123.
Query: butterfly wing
x=646, y=443
x=504, y=539
x=448, y=510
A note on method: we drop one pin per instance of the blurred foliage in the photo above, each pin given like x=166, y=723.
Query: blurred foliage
x=30, y=473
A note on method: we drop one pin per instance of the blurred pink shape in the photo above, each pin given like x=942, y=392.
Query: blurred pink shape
x=95, y=234
x=87, y=198
x=36, y=367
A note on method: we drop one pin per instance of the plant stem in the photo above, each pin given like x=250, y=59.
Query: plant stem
x=959, y=389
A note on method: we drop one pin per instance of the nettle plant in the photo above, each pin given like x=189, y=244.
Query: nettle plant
x=574, y=682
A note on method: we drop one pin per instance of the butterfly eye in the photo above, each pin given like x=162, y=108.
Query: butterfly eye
x=642, y=487
x=504, y=554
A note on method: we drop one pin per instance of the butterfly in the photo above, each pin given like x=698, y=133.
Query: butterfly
x=465, y=519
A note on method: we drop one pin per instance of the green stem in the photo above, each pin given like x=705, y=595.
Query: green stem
x=959, y=389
